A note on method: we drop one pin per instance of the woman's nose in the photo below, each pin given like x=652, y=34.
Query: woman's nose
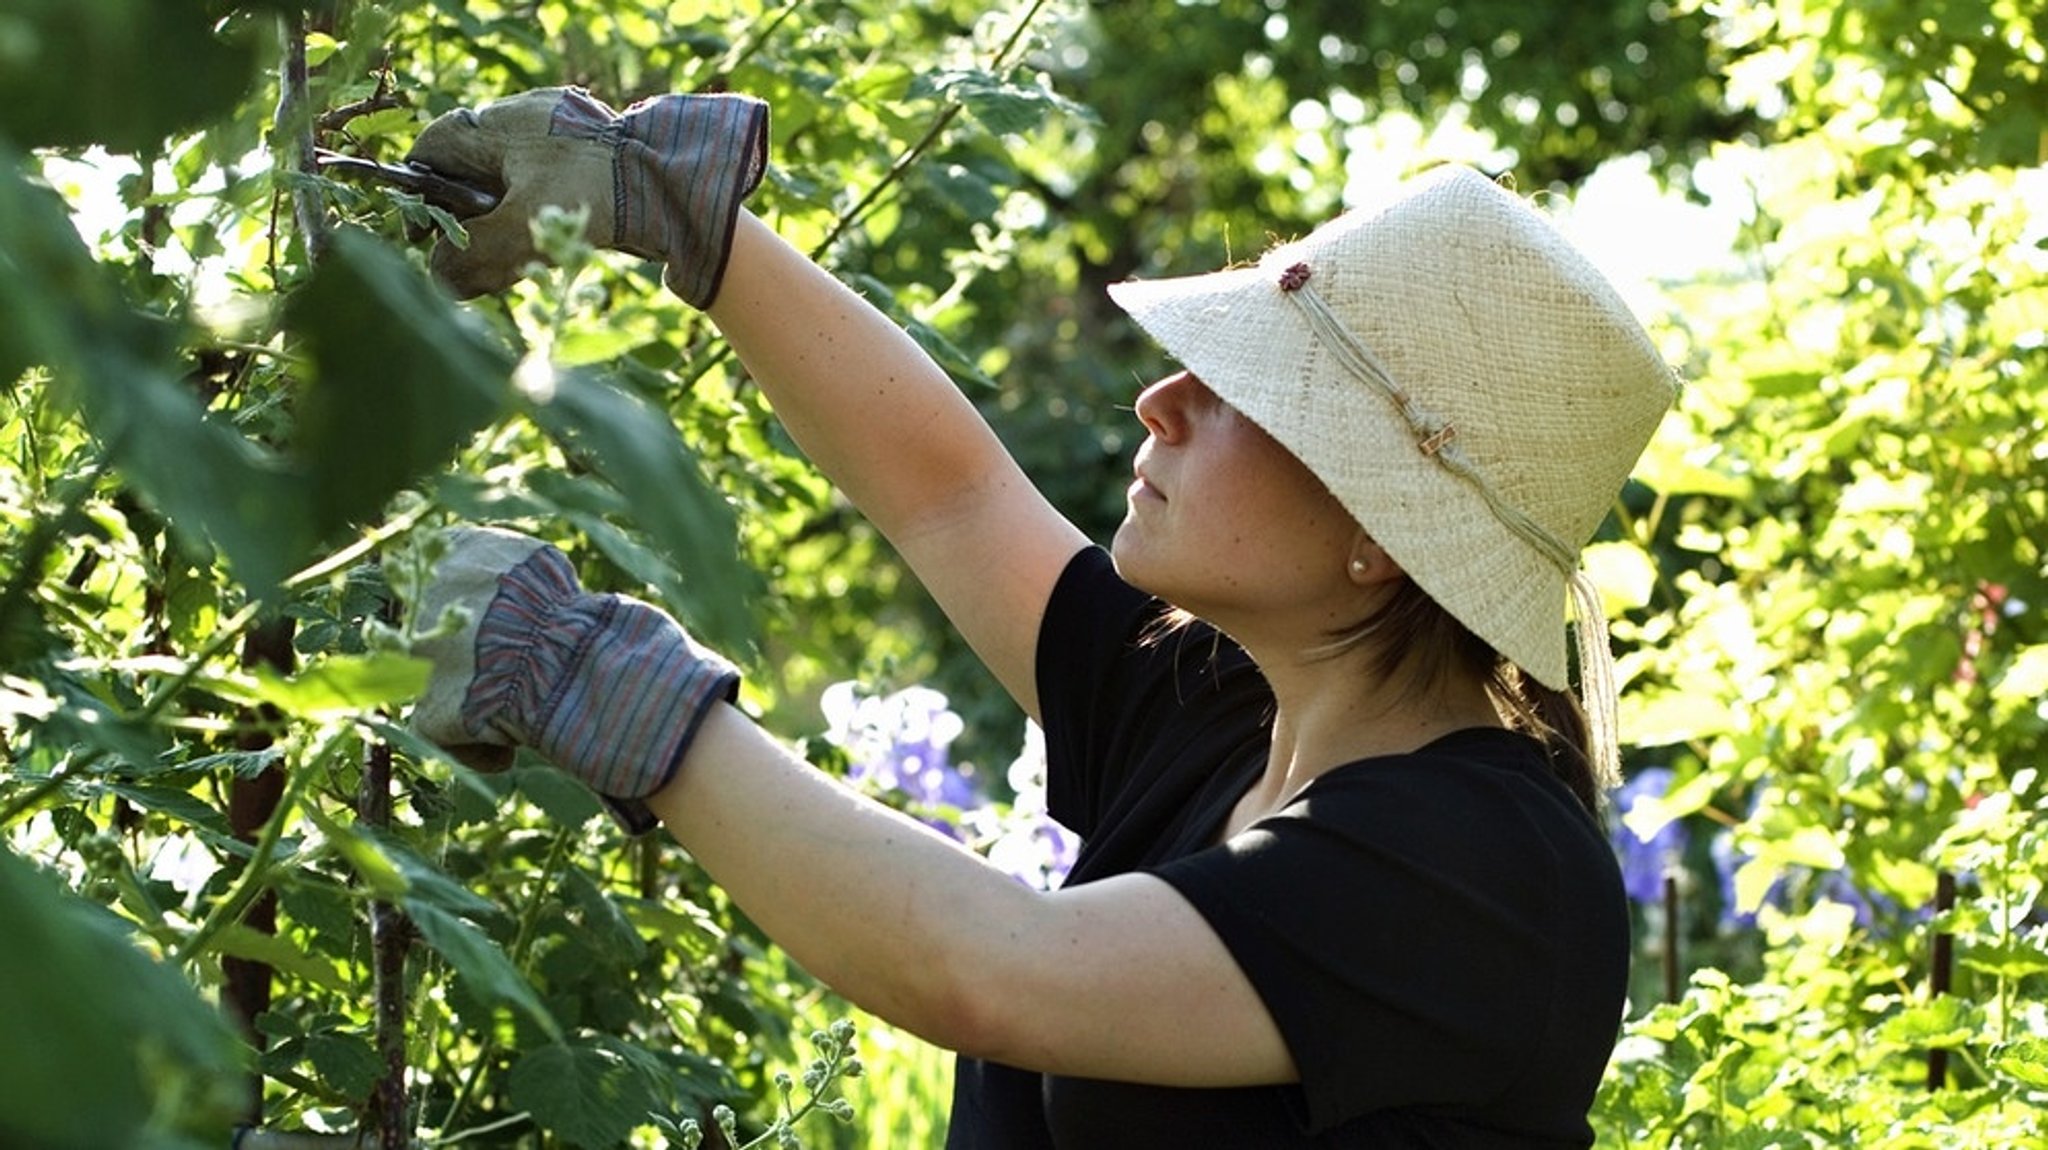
x=1162, y=407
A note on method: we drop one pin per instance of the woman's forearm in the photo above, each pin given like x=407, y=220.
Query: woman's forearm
x=894, y=916
x=1120, y=978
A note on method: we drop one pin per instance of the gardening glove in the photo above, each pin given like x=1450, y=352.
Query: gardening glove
x=607, y=688
x=663, y=181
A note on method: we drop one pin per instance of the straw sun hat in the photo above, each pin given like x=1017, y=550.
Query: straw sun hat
x=1464, y=382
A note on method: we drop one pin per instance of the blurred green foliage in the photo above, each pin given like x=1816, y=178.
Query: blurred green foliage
x=229, y=398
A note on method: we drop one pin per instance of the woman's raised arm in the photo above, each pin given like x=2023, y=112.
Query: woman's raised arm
x=894, y=433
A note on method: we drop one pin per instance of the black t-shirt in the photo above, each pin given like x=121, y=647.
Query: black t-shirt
x=1440, y=936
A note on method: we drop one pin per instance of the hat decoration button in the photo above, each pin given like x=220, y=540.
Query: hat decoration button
x=1294, y=278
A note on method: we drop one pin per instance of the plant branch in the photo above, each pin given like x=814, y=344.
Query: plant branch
x=390, y=939
x=369, y=541
x=522, y=945
x=757, y=37
x=910, y=156
x=292, y=133
x=255, y=876
x=335, y=119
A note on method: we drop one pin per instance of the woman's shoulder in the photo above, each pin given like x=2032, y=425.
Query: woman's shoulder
x=1476, y=791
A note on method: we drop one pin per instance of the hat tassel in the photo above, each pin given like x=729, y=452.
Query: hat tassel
x=1597, y=687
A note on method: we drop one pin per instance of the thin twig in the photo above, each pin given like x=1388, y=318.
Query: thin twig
x=368, y=542
x=486, y=1128
x=757, y=37
x=916, y=151
x=385, y=97
x=522, y=945
x=255, y=875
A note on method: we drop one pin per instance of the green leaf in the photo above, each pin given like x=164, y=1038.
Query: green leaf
x=364, y=853
x=2016, y=959
x=1662, y=717
x=636, y=449
x=276, y=951
x=1002, y=108
x=589, y=341
x=113, y=364
x=2025, y=678
x=1946, y=1021
x=584, y=1092
x=565, y=801
x=1703, y=470
x=401, y=378
x=319, y=46
x=2024, y=1060
x=101, y=1038
x=345, y=1061
x=343, y=685
x=78, y=72
x=1811, y=846
x=425, y=881
x=605, y=926
x=482, y=963
x=1650, y=813
x=84, y=720
x=1624, y=573
x=185, y=807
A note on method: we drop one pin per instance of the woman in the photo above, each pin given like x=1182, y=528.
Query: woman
x=1342, y=884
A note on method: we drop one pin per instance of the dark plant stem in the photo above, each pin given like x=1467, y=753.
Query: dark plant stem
x=335, y=119
x=391, y=935
x=1671, y=969
x=252, y=803
x=292, y=132
x=390, y=940
x=1941, y=967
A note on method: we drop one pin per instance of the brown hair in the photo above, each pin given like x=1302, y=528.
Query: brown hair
x=1413, y=630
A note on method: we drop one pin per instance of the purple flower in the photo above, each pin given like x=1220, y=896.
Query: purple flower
x=898, y=744
x=1645, y=861
x=1026, y=841
x=1837, y=886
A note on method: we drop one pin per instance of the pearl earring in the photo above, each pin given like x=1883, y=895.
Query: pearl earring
x=1358, y=566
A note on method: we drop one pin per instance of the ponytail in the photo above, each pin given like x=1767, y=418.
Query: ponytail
x=1555, y=718
x=1411, y=629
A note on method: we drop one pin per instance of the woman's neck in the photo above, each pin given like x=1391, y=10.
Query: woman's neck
x=1333, y=711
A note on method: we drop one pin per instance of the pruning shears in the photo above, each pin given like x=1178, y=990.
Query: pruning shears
x=450, y=195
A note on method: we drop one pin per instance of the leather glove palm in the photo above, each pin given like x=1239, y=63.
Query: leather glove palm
x=664, y=180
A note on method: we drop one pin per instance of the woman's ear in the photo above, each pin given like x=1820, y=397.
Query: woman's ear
x=1370, y=564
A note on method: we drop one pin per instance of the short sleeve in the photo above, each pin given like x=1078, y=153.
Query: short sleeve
x=1402, y=922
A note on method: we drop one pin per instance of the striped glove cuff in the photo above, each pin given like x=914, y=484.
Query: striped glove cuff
x=605, y=687
x=681, y=168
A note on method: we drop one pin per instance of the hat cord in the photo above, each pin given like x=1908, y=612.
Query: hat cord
x=1436, y=437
